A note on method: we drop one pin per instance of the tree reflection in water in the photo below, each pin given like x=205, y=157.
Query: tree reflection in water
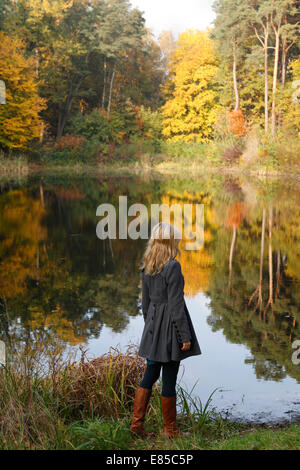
x=58, y=280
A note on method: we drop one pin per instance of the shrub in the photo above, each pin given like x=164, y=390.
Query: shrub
x=91, y=126
x=237, y=124
x=124, y=124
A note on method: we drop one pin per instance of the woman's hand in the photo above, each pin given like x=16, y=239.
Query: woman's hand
x=186, y=346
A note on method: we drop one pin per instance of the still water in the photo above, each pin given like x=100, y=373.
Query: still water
x=59, y=282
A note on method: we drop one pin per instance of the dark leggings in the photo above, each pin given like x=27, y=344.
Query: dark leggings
x=169, y=377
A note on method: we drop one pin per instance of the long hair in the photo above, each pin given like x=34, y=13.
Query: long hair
x=162, y=246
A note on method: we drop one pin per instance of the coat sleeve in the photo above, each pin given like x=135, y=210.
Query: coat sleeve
x=145, y=296
x=176, y=303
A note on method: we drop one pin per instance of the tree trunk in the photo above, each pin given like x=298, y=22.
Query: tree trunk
x=37, y=62
x=266, y=87
x=59, y=124
x=264, y=40
x=275, y=75
x=104, y=85
x=42, y=196
x=235, y=85
x=285, y=49
x=110, y=91
x=283, y=62
x=63, y=115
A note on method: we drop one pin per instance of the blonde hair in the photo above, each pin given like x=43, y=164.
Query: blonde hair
x=162, y=246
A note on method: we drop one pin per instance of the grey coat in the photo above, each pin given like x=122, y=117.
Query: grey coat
x=167, y=320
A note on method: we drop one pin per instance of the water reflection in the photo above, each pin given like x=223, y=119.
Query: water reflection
x=58, y=280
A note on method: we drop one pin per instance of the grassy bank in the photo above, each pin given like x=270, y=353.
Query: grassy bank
x=48, y=402
x=256, y=154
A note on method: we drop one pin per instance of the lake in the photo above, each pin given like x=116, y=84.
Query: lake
x=60, y=282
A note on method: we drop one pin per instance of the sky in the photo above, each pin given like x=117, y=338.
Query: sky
x=176, y=15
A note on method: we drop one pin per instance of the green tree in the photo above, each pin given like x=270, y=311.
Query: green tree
x=75, y=44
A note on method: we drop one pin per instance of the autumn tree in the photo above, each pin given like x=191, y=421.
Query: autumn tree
x=20, y=121
x=190, y=110
x=78, y=46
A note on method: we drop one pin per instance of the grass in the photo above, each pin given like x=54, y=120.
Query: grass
x=115, y=435
x=50, y=402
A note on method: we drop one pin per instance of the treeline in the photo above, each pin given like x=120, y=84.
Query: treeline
x=86, y=77
x=73, y=57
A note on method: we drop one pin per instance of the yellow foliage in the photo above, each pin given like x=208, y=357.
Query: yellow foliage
x=288, y=100
x=19, y=117
x=190, y=112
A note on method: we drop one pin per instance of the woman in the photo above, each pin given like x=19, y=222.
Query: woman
x=168, y=335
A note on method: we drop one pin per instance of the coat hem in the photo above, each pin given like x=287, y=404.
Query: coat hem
x=177, y=359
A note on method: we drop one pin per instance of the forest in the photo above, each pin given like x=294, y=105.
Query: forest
x=85, y=81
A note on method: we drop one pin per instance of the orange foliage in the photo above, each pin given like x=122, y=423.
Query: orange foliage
x=237, y=123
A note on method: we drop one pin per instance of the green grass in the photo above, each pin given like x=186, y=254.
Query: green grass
x=263, y=439
x=99, y=434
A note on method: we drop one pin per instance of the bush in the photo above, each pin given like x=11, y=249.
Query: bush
x=91, y=126
x=237, y=123
x=73, y=149
x=124, y=124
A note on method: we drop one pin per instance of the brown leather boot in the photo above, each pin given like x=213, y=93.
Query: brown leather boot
x=168, y=406
x=141, y=400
